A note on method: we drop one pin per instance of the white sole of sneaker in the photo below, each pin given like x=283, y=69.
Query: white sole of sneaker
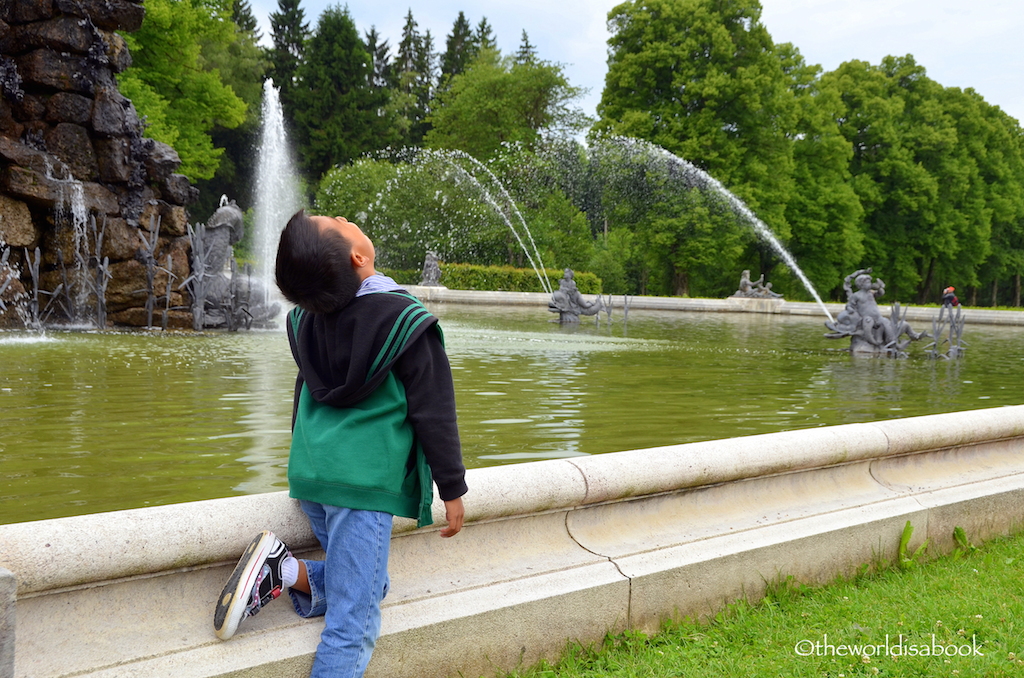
x=235, y=596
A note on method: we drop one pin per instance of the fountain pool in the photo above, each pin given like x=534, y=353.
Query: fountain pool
x=103, y=421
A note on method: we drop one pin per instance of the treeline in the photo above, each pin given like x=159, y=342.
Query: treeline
x=867, y=165
x=199, y=69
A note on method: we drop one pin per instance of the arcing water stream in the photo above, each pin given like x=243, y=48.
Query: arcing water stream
x=695, y=177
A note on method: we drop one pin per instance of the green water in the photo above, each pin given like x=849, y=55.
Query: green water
x=98, y=422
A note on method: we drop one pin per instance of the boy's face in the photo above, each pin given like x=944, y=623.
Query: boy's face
x=363, y=253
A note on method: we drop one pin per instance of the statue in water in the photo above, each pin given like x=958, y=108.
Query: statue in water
x=431, y=271
x=756, y=289
x=569, y=304
x=863, y=322
x=231, y=298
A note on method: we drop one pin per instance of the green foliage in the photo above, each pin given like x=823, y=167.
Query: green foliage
x=906, y=559
x=460, y=48
x=701, y=79
x=176, y=87
x=380, y=54
x=502, y=278
x=509, y=279
x=869, y=165
x=559, y=228
x=969, y=600
x=610, y=261
x=923, y=174
x=351, y=190
x=409, y=209
x=152, y=107
x=289, y=32
x=243, y=65
x=336, y=107
x=823, y=211
x=414, y=80
x=962, y=542
x=435, y=203
x=497, y=101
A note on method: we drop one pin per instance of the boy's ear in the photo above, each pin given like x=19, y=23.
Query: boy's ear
x=359, y=259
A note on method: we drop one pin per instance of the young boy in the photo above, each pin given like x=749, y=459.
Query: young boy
x=373, y=423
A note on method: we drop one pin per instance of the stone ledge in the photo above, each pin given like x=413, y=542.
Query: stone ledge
x=552, y=551
x=921, y=315
x=8, y=589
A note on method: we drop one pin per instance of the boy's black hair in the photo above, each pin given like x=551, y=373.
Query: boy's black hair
x=314, y=267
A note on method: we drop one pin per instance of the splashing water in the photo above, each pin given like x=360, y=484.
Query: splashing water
x=493, y=193
x=507, y=209
x=277, y=189
x=69, y=209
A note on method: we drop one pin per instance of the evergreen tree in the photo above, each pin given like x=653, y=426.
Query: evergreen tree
x=414, y=75
x=426, y=81
x=408, y=46
x=380, y=52
x=527, y=53
x=483, y=37
x=459, y=49
x=289, y=31
x=339, y=113
x=241, y=13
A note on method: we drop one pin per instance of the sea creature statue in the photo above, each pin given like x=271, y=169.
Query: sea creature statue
x=861, y=320
x=569, y=304
x=756, y=289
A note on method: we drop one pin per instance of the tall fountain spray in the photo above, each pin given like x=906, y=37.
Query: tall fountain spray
x=277, y=186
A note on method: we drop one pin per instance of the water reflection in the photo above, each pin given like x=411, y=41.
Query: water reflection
x=94, y=422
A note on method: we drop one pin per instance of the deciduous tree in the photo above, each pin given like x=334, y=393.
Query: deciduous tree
x=701, y=79
x=498, y=101
x=175, y=87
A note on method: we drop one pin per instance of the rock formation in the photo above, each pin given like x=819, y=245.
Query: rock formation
x=71, y=146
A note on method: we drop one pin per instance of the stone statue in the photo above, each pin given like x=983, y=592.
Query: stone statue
x=231, y=298
x=431, y=271
x=224, y=229
x=757, y=289
x=569, y=304
x=862, y=321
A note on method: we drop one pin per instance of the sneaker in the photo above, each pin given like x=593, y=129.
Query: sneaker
x=255, y=581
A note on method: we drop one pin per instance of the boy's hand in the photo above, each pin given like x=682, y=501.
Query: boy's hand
x=454, y=512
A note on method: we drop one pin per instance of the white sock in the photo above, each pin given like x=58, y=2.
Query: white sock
x=289, y=571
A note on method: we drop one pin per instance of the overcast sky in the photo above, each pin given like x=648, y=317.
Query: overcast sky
x=961, y=44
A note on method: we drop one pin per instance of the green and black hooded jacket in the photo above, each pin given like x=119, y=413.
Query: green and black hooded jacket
x=374, y=411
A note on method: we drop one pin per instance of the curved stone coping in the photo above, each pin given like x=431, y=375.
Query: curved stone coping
x=917, y=314
x=56, y=554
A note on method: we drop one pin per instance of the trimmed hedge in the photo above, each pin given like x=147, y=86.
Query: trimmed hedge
x=497, y=278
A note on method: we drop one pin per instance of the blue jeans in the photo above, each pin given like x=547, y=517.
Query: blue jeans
x=347, y=588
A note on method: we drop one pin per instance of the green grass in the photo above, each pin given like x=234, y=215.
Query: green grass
x=972, y=598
